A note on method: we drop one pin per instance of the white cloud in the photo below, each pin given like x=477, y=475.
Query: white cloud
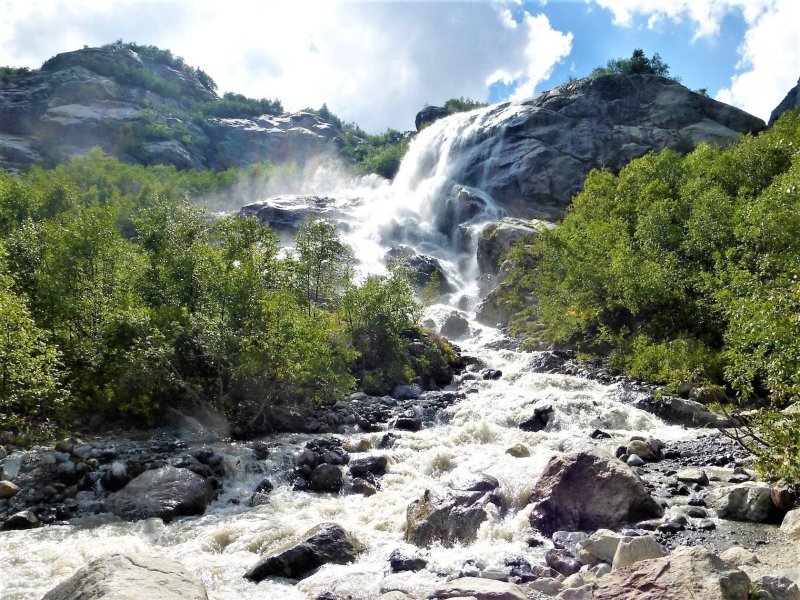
x=374, y=63
x=546, y=47
x=770, y=51
x=770, y=61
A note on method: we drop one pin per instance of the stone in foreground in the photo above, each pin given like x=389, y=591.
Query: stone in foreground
x=480, y=589
x=325, y=543
x=167, y=493
x=751, y=501
x=588, y=490
x=688, y=573
x=130, y=577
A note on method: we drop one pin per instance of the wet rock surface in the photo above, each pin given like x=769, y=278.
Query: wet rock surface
x=325, y=543
x=165, y=493
x=76, y=478
x=447, y=516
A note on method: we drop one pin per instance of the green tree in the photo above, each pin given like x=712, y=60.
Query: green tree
x=322, y=265
x=637, y=64
x=31, y=388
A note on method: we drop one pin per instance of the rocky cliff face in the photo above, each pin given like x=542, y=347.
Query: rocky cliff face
x=141, y=108
x=532, y=157
x=792, y=100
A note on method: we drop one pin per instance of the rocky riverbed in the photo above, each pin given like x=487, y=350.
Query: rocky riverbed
x=518, y=482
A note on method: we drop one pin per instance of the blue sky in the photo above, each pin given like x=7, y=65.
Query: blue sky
x=377, y=63
x=702, y=63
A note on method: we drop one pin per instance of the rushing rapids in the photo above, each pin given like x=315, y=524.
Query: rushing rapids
x=431, y=210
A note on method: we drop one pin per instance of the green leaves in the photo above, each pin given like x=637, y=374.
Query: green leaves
x=119, y=296
x=679, y=261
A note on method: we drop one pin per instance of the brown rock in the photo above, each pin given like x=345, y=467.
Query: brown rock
x=588, y=490
x=688, y=573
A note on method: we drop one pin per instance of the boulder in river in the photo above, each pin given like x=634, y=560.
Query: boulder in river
x=326, y=478
x=586, y=490
x=688, y=573
x=446, y=516
x=325, y=543
x=130, y=577
x=633, y=549
x=167, y=493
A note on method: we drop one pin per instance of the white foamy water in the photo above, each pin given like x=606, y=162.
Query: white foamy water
x=472, y=436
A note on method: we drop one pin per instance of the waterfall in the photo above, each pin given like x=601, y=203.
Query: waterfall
x=437, y=205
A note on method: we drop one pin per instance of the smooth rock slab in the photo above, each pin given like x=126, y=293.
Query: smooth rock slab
x=600, y=546
x=692, y=476
x=480, y=589
x=167, y=493
x=325, y=543
x=688, y=573
x=588, y=490
x=739, y=557
x=130, y=577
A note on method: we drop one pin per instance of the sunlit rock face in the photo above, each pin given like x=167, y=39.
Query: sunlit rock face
x=140, y=110
x=532, y=157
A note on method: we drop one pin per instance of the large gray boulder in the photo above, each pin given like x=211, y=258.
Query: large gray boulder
x=588, y=490
x=688, y=573
x=749, y=501
x=497, y=239
x=447, y=516
x=325, y=543
x=167, y=493
x=130, y=577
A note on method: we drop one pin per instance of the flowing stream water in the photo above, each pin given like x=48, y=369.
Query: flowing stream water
x=471, y=436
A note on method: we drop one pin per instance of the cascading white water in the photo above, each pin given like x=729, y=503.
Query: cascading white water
x=222, y=544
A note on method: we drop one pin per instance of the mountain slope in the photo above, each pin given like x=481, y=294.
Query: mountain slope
x=144, y=105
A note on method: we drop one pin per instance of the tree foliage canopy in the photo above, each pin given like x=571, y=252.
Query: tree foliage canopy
x=637, y=64
x=684, y=270
x=120, y=296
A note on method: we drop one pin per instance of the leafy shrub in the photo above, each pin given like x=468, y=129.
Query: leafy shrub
x=456, y=105
x=637, y=64
x=120, y=297
x=682, y=269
